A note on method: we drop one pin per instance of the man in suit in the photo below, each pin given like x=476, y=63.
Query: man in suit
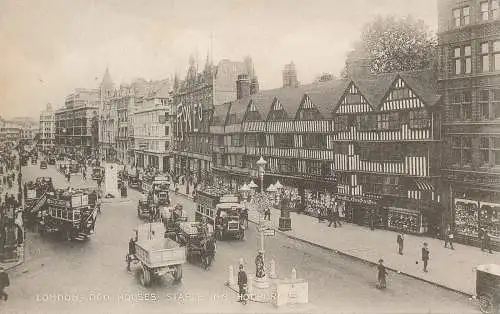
x=242, y=283
x=425, y=256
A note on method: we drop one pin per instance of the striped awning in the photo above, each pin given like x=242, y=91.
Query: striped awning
x=424, y=185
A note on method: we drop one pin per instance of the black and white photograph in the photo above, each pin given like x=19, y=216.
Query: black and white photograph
x=249, y=156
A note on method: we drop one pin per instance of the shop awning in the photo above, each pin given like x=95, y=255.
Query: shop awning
x=424, y=185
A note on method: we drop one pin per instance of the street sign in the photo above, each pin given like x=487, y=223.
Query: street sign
x=269, y=232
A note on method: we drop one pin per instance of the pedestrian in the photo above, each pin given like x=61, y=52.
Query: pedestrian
x=400, y=241
x=4, y=282
x=84, y=174
x=486, y=242
x=98, y=204
x=99, y=183
x=425, y=256
x=267, y=214
x=336, y=215
x=242, y=284
x=448, y=237
x=131, y=252
x=382, y=273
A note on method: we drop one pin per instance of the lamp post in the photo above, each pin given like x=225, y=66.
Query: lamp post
x=261, y=163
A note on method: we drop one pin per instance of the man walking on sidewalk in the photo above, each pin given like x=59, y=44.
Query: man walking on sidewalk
x=448, y=237
x=425, y=256
x=400, y=241
x=486, y=243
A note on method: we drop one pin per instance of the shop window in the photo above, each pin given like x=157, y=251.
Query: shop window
x=314, y=168
x=489, y=218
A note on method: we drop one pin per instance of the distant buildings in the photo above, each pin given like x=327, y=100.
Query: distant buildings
x=10, y=131
x=290, y=76
x=47, y=129
x=77, y=123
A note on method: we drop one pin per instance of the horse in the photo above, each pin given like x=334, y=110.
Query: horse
x=208, y=251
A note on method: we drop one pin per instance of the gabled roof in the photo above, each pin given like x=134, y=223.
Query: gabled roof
x=424, y=84
x=375, y=87
x=326, y=95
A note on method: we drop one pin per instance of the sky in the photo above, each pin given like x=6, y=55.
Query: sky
x=50, y=47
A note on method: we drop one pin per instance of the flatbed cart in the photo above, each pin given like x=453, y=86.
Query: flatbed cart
x=157, y=255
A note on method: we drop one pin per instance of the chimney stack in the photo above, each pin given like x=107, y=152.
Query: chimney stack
x=242, y=86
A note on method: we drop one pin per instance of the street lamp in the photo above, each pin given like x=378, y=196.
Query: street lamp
x=261, y=163
x=285, y=222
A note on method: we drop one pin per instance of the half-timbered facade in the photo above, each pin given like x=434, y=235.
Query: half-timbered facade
x=371, y=143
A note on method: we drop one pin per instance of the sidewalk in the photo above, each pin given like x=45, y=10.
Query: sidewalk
x=450, y=269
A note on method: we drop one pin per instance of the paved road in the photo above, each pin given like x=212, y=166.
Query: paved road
x=81, y=277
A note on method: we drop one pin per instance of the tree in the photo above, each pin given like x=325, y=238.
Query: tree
x=391, y=44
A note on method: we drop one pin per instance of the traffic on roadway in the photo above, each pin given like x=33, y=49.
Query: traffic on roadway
x=60, y=276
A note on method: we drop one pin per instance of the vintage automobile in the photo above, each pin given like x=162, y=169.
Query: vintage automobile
x=97, y=173
x=133, y=182
x=144, y=207
x=34, y=161
x=160, y=187
x=228, y=221
x=43, y=164
x=51, y=161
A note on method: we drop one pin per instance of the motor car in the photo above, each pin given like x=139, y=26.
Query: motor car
x=43, y=164
x=51, y=161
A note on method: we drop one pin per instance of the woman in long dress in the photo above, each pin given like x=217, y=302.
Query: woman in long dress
x=382, y=273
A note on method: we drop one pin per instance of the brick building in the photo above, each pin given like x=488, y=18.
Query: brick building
x=469, y=80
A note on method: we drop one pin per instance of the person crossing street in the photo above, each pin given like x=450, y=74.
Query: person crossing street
x=4, y=282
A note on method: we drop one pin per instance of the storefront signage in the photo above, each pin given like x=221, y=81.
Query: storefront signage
x=58, y=203
x=189, y=118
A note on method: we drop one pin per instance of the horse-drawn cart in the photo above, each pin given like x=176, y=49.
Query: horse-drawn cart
x=200, y=246
x=488, y=288
x=157, y=255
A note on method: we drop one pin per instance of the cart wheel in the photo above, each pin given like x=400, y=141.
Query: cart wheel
x=145, y=277
x=177, y=273
x=486, y=304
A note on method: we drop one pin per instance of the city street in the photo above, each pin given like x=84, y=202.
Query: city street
x=81, y=277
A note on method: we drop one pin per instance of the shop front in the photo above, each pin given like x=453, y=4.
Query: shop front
x=471, y=216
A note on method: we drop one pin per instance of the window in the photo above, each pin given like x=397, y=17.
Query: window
x=484, y=149
x=485, y=10
x=251, y=140
x=262, y=140
x=495, y=9
x=456, y=17
x=458, y=61
x=419, y=119
x=467, y=106
x=314, y=168
x=284, y=140
x=383, y=121
x=484, y=106
x=466, y=16
x=468, y=59
x=366, y=122
x=462, y=106
x=496, y=151
x=314, y=141
x=495, y=104
x=167, y=130
x=461, y=151
x=485, y=58
x=340, y=123
x=496, y=55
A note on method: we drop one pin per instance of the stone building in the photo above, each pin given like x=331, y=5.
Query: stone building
x=469, y=80
x=47, y=129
